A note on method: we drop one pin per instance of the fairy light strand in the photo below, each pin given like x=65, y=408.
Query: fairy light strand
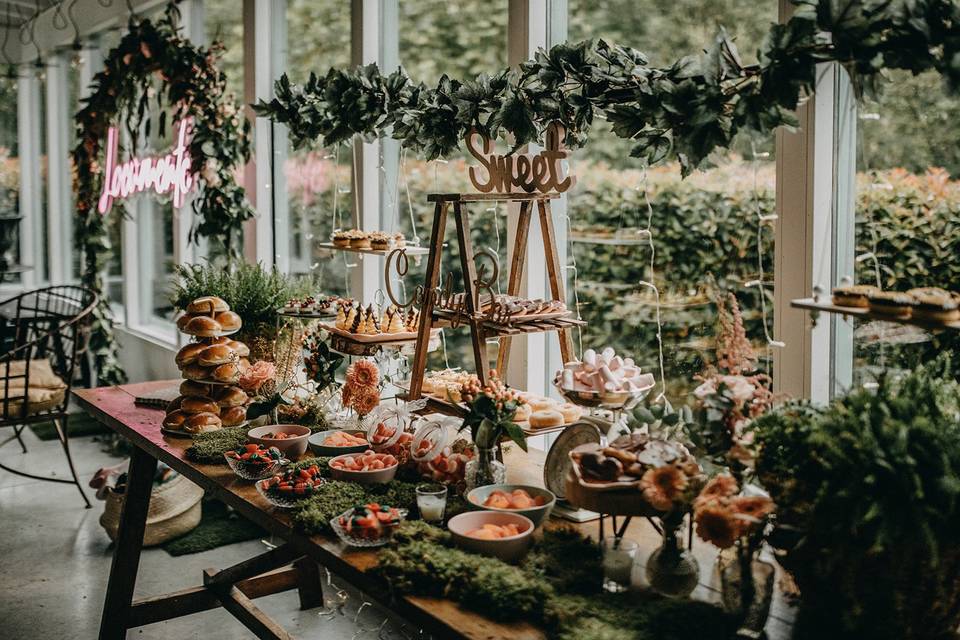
x=648, y=232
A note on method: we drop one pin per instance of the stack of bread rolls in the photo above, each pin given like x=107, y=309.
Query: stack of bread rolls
x=211, y=366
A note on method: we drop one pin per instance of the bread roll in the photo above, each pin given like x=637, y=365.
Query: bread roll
x=202, y=422
x=196, y=372
x=208, y=305
x=189, y=354
x=199, y=404
x=227, y=373
x=243, y=363
x=191, y=388
x=175, y=420
x=229, y=320
x=231, y=397
x=203, y=326
x=216, y=354
x=174, y=404
x=233, y=416
x=183, y=320
x=242, y=350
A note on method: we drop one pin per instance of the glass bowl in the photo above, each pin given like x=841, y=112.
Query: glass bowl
x=276, y=498
x=362, y=537
x=252, y=471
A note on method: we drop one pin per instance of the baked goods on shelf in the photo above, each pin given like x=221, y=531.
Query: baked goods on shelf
x=228, y=320
x=853, y=295
x=199, y=404
x=207, y=305
x=375, y=240
x=505, y=309
x=354, y=318
x=626, y=459
x=203, y=326
x=320, y=305
x=202, y=423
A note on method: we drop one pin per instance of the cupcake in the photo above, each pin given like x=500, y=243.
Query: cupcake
x=891, y=304
x=399, y=240
x=359, y=239
x=936, y=308
x=853, y=295
x=341, y=239
x=380, y=240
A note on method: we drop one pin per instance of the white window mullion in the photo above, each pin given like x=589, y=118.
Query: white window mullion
x=31, y=208
x=59, y=201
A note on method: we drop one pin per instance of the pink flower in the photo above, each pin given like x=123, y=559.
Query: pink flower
x=256, y=375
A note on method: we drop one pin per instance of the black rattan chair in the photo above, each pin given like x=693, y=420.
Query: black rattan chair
x=44, y=333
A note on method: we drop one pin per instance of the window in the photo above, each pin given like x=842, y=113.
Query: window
x=459, y=40
x=223, y=23
x=318, y=196
x=9, y=179
x=704, y=229
x=907, y=212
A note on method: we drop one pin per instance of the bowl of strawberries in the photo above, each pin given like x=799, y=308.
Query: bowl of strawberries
x=293, y=485
x=369, y=525
x=254, y=461
x=368, y=467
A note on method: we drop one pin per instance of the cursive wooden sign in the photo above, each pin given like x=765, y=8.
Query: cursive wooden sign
x=524, y=172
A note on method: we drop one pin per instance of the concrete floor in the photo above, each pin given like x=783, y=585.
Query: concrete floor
x=55, y=560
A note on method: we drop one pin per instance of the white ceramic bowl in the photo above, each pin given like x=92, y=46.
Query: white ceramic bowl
x=291, y=448
x=508, y=549
x=536, y=514
x=362, y=477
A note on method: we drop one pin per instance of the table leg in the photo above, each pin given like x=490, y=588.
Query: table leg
x=126, y=555
x=309, y=583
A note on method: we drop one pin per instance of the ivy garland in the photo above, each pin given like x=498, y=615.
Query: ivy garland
x=153, y=62
x=684, y=111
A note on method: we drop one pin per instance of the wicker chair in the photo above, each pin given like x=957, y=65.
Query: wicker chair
x=44, y=333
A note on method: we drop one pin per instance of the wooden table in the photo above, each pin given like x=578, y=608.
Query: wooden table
x=236, y=587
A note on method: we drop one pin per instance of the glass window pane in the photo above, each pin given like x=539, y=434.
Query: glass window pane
x=224, y=24
x=319, y=196
x=907, y=213
x=704, y=228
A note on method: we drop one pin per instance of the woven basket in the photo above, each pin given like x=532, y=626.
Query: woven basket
x=174, y=510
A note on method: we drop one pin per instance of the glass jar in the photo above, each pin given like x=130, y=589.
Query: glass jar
x=440, y=455
x=391, y=434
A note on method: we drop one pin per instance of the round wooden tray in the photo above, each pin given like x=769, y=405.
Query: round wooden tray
x=628, y=502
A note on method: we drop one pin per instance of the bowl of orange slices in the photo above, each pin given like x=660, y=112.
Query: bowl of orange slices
x=535, y=503
x=492, y=533
x=338, y=442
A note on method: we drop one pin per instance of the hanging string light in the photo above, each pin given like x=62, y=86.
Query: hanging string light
x=647, y=233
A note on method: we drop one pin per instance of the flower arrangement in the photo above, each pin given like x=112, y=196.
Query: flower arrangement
x=362, y=389
x=730, y=395
x=491, y=411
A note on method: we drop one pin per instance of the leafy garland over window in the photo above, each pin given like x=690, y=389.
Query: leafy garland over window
x=684, y=111
x=153, y=62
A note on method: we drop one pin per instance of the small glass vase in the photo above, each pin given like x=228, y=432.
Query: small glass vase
x=485, y=469
x=746, y=587
x=672, y=571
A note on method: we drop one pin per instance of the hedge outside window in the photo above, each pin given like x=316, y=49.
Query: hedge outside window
x=9, y=164
x=704, y=228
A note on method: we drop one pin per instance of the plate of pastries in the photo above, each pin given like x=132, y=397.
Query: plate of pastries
x=622, y=463
x=536, y=412
x=505, y=309
x=314, y=306
x=366, y=324
x=603, y=378
x=375, y=240
x=208, y=317
x=211, y=366
x=922, y=305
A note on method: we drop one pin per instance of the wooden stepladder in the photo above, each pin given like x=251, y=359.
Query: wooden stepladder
x=483, y=327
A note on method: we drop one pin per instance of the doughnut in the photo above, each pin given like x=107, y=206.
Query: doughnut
x=570, y=412
x=549, y=418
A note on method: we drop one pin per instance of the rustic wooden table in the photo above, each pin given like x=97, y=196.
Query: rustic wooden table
x=294, y=564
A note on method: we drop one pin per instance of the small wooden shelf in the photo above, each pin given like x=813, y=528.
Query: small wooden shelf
x=631, y=240
x=411, y=250
x=861, y=312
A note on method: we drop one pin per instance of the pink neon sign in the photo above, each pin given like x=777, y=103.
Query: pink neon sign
x=164, y=174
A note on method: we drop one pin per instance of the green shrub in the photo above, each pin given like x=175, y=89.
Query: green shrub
x=875, y=498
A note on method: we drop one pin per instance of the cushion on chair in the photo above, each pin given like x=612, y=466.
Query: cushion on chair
x=46, y=391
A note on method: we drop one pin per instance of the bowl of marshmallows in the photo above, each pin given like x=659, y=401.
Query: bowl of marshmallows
x=603, y=380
